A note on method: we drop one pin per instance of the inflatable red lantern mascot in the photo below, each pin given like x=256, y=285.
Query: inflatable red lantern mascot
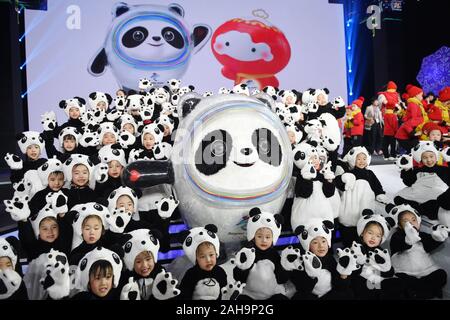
x=251, y=50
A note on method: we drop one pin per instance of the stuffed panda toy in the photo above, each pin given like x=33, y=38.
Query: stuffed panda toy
x=150, y=41
x=231, y=153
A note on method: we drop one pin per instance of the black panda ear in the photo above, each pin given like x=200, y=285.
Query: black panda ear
x=328, y=224
x=131, y=92
x=211, y=227
x=254, y=211
x=19, y=136
x=191, y=87
x=15, y=245
x=116, y=146
x=62, y=104
x=188, y=105
x=367, y=212
x=156, y=233
x=299, y=230
x=390, y=222
x=160, y=127
x=93, y=95
x=183, y=235
x=120, y=8
x=166, y=88
x=80, y=99
x=138, y=192
x=326, y=90
x=108, y=97
x=389, y=207
x=280, y=93
x=177, y=9
x=279, y=218
x=312, y=91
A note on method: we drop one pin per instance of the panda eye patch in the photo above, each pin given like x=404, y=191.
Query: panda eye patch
x=213, y=152
x=134, y=37
x=268, y=147
x=173, y=37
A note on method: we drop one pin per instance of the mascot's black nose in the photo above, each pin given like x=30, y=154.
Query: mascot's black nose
x=156, y=38
x=246, y=151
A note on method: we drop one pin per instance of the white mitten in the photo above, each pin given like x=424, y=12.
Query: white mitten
x=347, y=262
x=412, y=235
x=58, y=201
x=13, y=161
x=166, y=206
x=244, y=258
x=326, y=171
x=22, y=188
x=164, y=286
x=232, y=290
x=405, y=162
x=18, y=208
x=446, y=154
x=349, y=180
x=126, y=139
x=440, y=232
x=113, y=115
x=338, y=102
x=360, y=256
x=90, y=139
x=382, y=198
x=56, y=279
x=291, y=259
x=308, y=172
x=10, y=281
x=118, y=220
x=134, y=155
x=130, y=291
x=48, y=121
x=101, y=172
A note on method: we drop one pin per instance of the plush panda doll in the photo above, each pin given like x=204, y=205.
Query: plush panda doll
x=151, y=41
x=231, y=153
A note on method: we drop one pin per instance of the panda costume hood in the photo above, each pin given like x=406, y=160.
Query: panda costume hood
x=424, y=146
x=52, y=165
x=45, y=212
x=69, y=131
x=302, y=153
x=7, y=250
x=196, y=237
x=353, y=153
x=96, y=97
x=107, y=127
x=394, y=212
x=99, y=253
x=316, y=228
x=369, y=216
x=76, y=159
x=81, y=211
x=166, y=121
x=28, y=138
x=259, y=219
x=111, y=152
x=156, y=130
x=75, y=102
x=141, y=240
x=128, y=119
x=122, y=191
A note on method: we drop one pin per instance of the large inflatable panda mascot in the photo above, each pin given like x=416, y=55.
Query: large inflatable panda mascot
x=148, y=41
x=231, y=153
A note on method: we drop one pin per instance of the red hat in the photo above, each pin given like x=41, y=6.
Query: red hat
x=359, y=102
x=430, y=126
x=444, y=94
x=405, y=96
x=391, y=85
x=413, y=90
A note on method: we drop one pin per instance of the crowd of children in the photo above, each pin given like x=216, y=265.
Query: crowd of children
x=87, y=236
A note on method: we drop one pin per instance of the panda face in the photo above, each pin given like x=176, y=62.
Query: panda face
x=152, y=38
x=238, y=143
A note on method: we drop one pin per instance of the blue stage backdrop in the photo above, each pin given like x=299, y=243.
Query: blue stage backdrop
x=77, y=47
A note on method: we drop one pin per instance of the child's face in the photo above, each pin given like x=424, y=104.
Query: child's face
x=144, y=264
x=5, y=263
x=128, y=127
x=149, y=141
x=120, y=93
x=101, y=105
x=74, y=113
x=80, y=175
x=69, y=144
x=126, y=203
x=108, y=138
x=419, y=96
x=372, y=236
x=92, y=230
x=319, y=246
x=408, y=217
x=428, y=159
x=361, y=161
x=114, y=169
x=48, y=230
x=321, y=100
x=206, y=257
x=315, y=161
x=166, y=130
x=33, y=152
x=291, y=136
x=101, y=285
x=55, y=181
x=263, y=238
x=290, y=100
x=435, y=135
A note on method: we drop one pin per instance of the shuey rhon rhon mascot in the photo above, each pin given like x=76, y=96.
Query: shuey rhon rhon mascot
x=231, y=153
x=148, y=41
x=251, y=50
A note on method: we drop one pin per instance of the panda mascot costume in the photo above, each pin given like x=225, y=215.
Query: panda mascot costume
x=148, y=41
x=231, y=153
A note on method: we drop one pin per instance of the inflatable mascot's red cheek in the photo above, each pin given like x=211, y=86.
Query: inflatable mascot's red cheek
x=251, y=50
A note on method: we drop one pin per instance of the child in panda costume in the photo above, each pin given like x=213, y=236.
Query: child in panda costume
x=258, y=265
x=361, y=190
x=31, y=144
x=411, y=249
x=426, y=181
x=205, y=280
x=68, y=138
x=113, y=156
x=13, y=287
x=145, y=278
x=97, y=276
x=151, y=135
x=315, y=274
x=375, y=279
x=315, y=192
x=73, y=108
